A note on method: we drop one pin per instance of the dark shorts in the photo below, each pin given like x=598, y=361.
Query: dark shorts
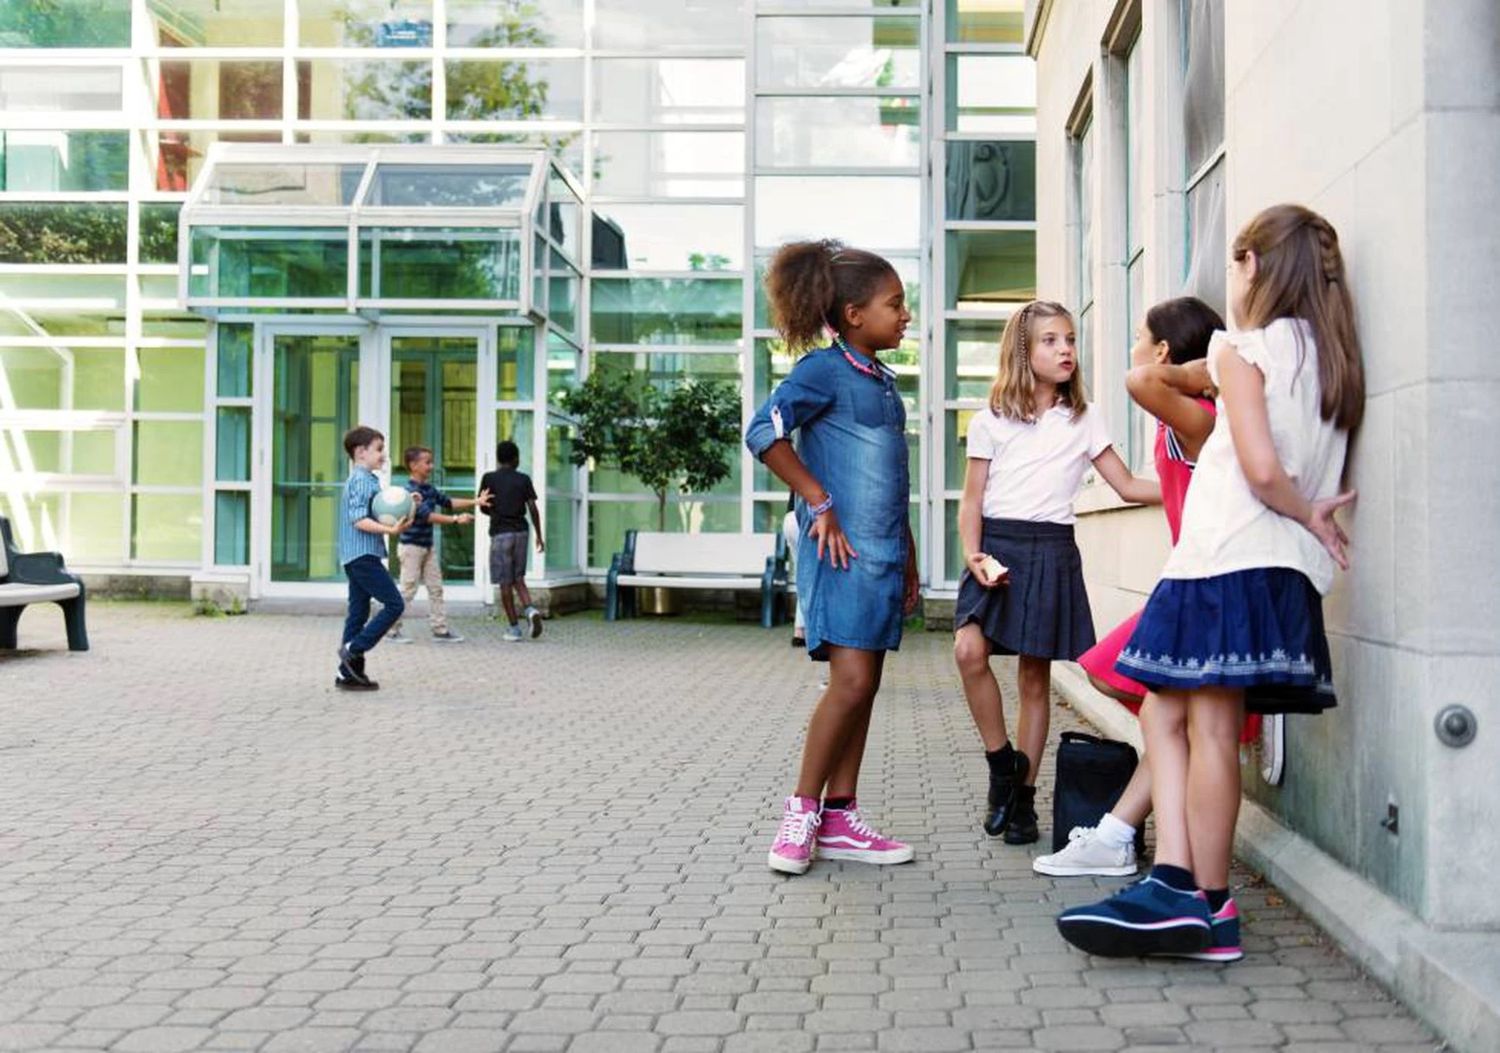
x=508, y=558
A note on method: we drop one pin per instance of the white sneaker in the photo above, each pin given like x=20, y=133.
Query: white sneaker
x=397, y=636
x=534, y=617
x=512, y=635
x=1087, y=854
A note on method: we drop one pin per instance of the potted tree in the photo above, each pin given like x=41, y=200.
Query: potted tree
x=680, y=438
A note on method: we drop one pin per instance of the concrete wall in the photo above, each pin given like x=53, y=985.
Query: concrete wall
x=1384, y=115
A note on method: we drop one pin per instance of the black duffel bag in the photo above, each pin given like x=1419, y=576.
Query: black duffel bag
x=1091, y=775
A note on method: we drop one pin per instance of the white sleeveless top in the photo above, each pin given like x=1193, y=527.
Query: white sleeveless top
x=1225, y=527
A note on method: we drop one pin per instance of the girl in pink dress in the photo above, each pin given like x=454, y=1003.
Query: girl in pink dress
x=1170, y=381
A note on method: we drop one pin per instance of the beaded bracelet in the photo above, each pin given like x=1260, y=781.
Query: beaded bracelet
x=818, y=509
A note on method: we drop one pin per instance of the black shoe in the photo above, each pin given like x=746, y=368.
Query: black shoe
x=798, y=641
x=352, y=668
x=343, y=683
x=1008, y=767
x=1020, y=829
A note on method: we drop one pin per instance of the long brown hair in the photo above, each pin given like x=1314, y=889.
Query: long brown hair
x=1300, y=274
x=1013, y=394
x=809, y=283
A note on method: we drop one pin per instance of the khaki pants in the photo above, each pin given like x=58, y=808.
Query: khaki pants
x=419, y=566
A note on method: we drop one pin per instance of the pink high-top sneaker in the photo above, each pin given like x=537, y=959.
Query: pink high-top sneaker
x=792, y=851
x=844, y=835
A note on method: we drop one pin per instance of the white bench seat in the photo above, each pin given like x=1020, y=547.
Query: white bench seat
x=736, y=562
x=14, y=594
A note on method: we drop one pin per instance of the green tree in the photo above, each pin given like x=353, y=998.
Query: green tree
x=65, y=23
x=681, y=438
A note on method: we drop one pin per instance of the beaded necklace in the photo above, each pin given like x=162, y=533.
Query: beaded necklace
x=838, y=342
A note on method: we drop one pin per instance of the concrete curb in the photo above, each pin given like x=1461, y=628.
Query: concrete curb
x=1450, y=979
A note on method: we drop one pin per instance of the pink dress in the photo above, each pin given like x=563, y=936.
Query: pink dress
x=1175, y=472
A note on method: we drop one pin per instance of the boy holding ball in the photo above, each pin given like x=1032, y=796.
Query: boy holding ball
x=362, y=550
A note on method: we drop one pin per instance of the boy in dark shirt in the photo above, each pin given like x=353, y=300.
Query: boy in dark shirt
x=511, y=497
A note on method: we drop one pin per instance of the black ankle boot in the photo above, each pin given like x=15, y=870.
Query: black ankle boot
x=1021, y=827
x=1007, y=770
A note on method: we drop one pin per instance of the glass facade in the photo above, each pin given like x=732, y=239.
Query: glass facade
x=173, y=382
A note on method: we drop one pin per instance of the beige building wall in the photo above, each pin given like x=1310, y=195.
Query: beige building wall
x=1384, y=115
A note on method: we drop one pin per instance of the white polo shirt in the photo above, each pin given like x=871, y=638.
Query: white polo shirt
x=1037, y=468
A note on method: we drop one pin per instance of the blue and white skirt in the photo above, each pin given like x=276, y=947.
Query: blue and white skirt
x=1260, y=630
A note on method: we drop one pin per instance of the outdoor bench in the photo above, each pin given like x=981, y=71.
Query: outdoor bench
x=37, y=577
x=740, y=562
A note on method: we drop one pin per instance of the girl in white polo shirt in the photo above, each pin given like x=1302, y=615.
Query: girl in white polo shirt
x=1022, y=592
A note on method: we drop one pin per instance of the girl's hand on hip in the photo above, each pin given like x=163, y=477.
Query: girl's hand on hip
x=825, y=528
x=1325, y=528
x=976, y=563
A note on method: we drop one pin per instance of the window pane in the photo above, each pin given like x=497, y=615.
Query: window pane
x=514, y=426
x=211, y=89
x=992, y=181
x=234, y=361
x=669, y=164
x=1083, y=193
x=231, y=527
x=561, y=526
x=1137, y=196
x=838, y=132
x=217, y=23
x=166, y=527
x=168, y=453
x=669, y=91
x=608, y=521
x=1203, y=80
x=486, y=24
x=665, y=369
x=873, y=212
x=670, y=237
x=986, y=21
x=516, y=352
x=649, y=24
x=513, y=89
x=363, y=90
x=665, y=311
x=50, y=161
x=159, y=232
x=991, y=93
x=564, y=287
x=283, y=183
x=956, y=445
x=990, y=268
x=59, y=451
x=176, y=155
x=562, y=369
x=62, y=233
x=837, y=52
x=232, y=445
x=60, y=89
x=1206, y=250
x=66, y=24
x=171, y=380
x=269, y=263
x=365, y=23
x=52, y=378
x=973, y=357
x=438, y=264
x=96, y=528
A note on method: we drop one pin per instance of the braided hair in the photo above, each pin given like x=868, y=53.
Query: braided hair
x=1013, y=393
x=1300, y=274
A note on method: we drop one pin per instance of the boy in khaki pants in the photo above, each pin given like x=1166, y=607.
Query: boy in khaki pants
x=419, y=563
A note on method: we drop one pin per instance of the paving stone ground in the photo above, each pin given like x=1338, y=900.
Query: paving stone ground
x=547, y=846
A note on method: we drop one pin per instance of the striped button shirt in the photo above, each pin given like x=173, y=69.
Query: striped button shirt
x=353, y=542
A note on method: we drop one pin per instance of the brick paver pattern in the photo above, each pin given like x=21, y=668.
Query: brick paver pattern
x=556, y=845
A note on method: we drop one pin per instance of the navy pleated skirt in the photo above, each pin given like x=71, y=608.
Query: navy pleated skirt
x=1260, y=630
x=1044, y=611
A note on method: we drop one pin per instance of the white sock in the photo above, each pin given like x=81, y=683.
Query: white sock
x=1114, y=832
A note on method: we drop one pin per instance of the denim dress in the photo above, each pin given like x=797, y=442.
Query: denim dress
x=851, y=434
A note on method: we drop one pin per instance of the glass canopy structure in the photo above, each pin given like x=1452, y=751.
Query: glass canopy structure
x=380, y=229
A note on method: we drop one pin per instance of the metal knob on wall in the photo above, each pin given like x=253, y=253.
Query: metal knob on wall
x=1456, y=726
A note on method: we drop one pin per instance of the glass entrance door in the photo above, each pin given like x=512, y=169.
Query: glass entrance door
x=434, y=403
x=315, y=399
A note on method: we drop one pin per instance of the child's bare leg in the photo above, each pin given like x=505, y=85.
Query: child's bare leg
x=1164, y=721
x=1213, y=781
x=844, y=782
x=1135, y=801
x=971, y=651
x=508, y=600
x=524, y=593
x=1034, y=679
x=852, y=678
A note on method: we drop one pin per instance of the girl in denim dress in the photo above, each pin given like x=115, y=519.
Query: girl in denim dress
x=856, y=563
